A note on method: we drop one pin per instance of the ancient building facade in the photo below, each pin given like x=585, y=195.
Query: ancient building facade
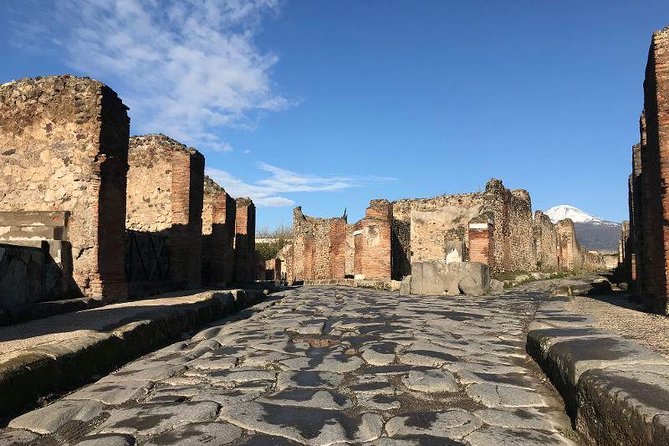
x=164, y=202
x=649, y=198
x=245, y=241
x=219, y=213
x=64, y=146
x=495, y=227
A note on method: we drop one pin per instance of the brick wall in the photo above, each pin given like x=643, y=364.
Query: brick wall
x=372, y=259
x=245, y=240
x=165, y=196
x=481, y=232
x=651, y=211
x=320, y=248
x=218, y=229
x=64, y=146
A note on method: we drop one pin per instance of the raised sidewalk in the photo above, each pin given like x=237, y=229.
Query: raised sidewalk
x=45, y=357
x=615, y=390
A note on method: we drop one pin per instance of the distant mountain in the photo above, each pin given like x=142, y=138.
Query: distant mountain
x=592, y=232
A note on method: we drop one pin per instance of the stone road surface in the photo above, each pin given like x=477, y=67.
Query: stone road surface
x=321, y=366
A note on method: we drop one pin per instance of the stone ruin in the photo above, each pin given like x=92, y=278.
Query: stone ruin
x=646, y=242
x=64, y=145
x=218, y=228
x=164, y=209
x=86, y=211
x=495, y=228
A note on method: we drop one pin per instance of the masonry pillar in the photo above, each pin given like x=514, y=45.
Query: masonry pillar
x=165, y=200
x=372, y=237
x=245, y=240
x=64, y=146
x=218, y=229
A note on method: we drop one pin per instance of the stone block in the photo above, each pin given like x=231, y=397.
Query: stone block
x=437, y=277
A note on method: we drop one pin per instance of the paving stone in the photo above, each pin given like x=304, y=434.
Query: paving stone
x=326, y=366
x=50, y=418
x=153, y=418
x=493, y=395
x=495, y=436
x=107, y=440
x=197, y=434
x=453, y=424
x=112, y=393
x=431, y=381
x=16, y=437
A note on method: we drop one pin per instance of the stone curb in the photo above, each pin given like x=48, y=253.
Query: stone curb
x=615, y=390
x=42, y=371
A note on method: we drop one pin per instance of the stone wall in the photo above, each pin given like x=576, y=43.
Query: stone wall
x=319, y=247
x=218, y=230
x=165, y=197
x=245, y=240
x=372, y=249
x=649, y=209
x=64, y=146
x=495, y=227
x=546, y=243
x=513, y=227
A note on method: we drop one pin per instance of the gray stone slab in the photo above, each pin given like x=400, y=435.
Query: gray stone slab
x=452, y=424
x=49, y=419
x=431, y=381
x=197, y=434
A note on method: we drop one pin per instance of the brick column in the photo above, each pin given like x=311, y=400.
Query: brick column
x=481, y=240
x=245, y=244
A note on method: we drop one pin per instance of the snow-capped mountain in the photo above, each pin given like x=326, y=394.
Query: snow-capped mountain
x=592, y=232
x=557, y=213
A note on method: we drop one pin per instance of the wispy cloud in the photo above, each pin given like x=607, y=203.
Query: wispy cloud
x=185, y=68
x=270, y=191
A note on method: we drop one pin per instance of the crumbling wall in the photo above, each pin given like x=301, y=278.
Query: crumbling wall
x=546, y=243
x=64, y=146
x=513, y=227
x=165, y=197
x=320, y=247
x=434, y=221
x=571, y=255
x=245, y=241
x=653, y=198
x=373, y=242
x=218, y=229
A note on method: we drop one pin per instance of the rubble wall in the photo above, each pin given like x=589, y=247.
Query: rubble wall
x=165, y=197
x=546, y=243
x=64, y=146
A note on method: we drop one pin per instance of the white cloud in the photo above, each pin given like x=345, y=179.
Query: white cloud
x=270, y=191
x=185, y=68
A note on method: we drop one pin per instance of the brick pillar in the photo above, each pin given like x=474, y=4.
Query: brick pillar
x=218, y=229
x=481, y=240
x=245, y=241
x=372, y=259
x=187, y=202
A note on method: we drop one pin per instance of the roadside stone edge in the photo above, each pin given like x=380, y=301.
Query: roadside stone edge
x=615, y=390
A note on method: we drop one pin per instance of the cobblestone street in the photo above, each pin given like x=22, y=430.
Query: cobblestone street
x=321, y=366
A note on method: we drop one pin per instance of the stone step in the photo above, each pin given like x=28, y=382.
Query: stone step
x=34, y=218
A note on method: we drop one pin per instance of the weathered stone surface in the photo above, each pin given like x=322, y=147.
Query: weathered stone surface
x=64, y=144
x=375, y=370
x=52, y=417
x=438, y=277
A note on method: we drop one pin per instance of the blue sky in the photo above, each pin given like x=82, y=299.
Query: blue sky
x=327, y=104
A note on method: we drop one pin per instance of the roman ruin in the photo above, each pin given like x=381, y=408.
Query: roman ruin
x=165, y=200
x=647, y=255
x=64, y=143
x=218, y=228
x=245, y=241
x=87, y=211
x=495, y=227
